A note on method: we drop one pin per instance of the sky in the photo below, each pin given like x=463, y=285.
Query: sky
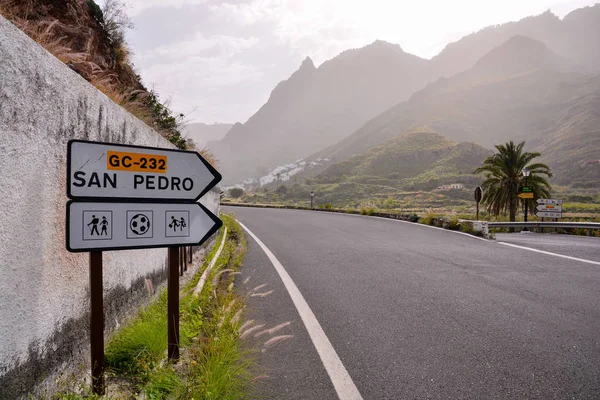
x=218, y=60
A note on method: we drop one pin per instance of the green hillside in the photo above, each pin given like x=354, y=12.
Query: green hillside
x=575, y=139
x=417, y=160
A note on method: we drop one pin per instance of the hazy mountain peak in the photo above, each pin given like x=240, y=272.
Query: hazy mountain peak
x=382, y=44
x=307, y=64
x=519, y=54
x=584, y=13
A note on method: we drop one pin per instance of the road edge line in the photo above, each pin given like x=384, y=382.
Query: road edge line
x=438, y=228
x=365, y=216
x=550, y=254
x=339, y=376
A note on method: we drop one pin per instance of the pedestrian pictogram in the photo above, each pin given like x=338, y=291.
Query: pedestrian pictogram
x=94, y=224
x=97, y=225
x=177, y=223
x=104, y=225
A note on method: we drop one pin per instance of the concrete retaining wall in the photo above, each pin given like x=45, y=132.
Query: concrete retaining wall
x=43, y=288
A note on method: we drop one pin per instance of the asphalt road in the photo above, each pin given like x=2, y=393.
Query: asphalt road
x=575, y=246
x=415, y=312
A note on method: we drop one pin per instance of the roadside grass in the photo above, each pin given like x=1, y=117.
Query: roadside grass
x=213, y=362
x=139, y=346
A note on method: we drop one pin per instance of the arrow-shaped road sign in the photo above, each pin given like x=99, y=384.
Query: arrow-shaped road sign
x=525, y=195
x=93, y=226
x=548, y=214
x=549, y=207
x=117, y=172
x=549, y=201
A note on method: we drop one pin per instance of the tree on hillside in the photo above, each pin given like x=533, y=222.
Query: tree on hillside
x=503, y=173
x=236, y=192
x=116, y=21
x=282, y=189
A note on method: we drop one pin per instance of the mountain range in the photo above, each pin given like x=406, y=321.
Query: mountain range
x=535, y=80
x=316, y=107
x=520, y=90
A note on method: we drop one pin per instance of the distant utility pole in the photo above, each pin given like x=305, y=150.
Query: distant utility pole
x=526, y=173
x=277, y=180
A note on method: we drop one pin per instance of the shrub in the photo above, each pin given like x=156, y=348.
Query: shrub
x=236, y=192
x=413, y=218
x=115, y=20
x=282, y=189
x=429, y=219
x=466, y=228
x=95, y=11
x=453, y=223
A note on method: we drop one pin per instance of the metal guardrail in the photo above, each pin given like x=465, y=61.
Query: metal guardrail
x=569, y=225
x=589, y=226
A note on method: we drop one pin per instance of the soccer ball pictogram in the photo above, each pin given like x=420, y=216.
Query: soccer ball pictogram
x=139, y=224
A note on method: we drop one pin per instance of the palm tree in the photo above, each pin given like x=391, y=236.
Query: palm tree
x=503, y=174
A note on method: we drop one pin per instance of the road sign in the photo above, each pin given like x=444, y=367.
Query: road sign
x=93, y=226
x=549, y=201
x=526, y=189
x=478, y=194
x=549, y=207
x=116, y=172
x=548, y=214
x=525, y=195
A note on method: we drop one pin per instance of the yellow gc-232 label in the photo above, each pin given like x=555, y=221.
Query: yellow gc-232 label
x=136, y=162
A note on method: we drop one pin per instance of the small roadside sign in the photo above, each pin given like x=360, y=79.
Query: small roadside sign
x=93, y=226
x=526, y=189
x=549, y=201
x=549, y=207
x=117, y=172
x=478, y=194
x=548, y=214
x=525, y=195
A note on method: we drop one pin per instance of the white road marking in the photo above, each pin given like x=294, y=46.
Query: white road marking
x=204, y=276
x=550, y=254
x=342, y=382
x=438, y=228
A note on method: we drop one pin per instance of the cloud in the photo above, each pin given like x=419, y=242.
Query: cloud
x=136, y=7
x=249, y=13
x=216, y=46
x=203, y=74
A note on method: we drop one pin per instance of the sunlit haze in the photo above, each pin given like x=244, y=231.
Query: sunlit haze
x=218, y=60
